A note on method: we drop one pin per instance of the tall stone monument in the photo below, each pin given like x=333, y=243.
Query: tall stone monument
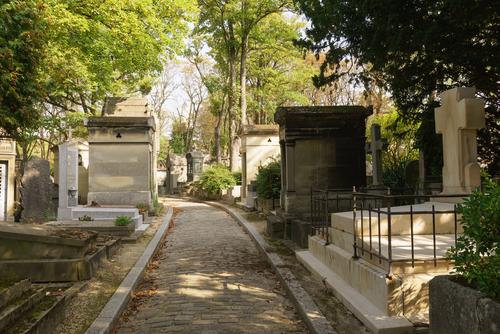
x=458, y=119
x=122, y=153
x=68, y=179
x=194, y=161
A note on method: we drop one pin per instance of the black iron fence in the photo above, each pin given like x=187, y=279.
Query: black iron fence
x=379, y=212
x=324, y=202
x=380, y=219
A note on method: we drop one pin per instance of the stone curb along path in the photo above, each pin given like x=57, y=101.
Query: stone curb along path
x=314, y=319
x=112, y=311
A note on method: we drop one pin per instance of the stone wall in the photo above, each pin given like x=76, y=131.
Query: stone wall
x=454, y=308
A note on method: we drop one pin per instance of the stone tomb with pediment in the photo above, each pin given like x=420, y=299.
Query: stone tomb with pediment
x=122, y=154
x=259, y=145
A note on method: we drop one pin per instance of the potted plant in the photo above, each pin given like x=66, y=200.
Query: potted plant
x=468, y=300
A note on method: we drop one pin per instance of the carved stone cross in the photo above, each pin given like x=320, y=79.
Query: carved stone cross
x=375, y=147
x=458, y=119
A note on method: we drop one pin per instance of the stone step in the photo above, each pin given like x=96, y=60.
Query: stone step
x=372, y=317
x=403, y=292
x=17, y=308
x=100, y=213
x=14, y=291
x=42, y=318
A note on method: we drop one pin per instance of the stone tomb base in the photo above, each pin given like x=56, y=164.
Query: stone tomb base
x=288, y=227
x=120, y=198
x=47, y=254
x=104, y=214
x=383, y=302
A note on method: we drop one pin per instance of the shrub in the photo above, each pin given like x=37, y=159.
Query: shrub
x=476, y=255
x=142, y=207
x=157, y=206
x=123, y=221
x=237, y=177
x=216, y=178
x=269, y=180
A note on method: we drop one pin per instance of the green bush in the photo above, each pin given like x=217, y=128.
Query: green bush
x=269, y=180
x=216, y=178
x=142, y=207
x=157, y=207
x=123, y=221
x=476, y=255
x=237, y=177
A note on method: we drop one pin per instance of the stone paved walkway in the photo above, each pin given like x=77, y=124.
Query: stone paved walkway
x=211, y=279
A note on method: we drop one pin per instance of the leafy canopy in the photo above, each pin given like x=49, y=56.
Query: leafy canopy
x=416, y=49
x=21, y=48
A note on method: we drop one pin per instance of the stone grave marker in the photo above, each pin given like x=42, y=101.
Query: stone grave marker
x=412, y=174
x=194, y=166
x=68, y=179
x=375, y=147
x=36, y=191
x=458, y=119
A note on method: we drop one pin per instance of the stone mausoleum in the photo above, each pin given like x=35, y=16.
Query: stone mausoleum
x=122, y=153
x=259, y=144
x=321, y=148
x=7, y=178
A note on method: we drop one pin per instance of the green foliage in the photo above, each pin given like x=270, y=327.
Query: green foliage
x=216, y=178
x=123, y=221
x=237, y=177
x=400, y=137
x=21, y=48
x=416, y=49
x=100, y=48
x=157, y=206
x=142, y=207
x=164, y=149
x=178, y=140
x=477, y=253
x=269, y=180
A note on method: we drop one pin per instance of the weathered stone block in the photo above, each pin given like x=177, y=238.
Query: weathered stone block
x=37, y=191
x=454, y=308
x=275, y=227
x=300, y=231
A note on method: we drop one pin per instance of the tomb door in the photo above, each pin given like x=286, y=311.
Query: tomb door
x=3, y=190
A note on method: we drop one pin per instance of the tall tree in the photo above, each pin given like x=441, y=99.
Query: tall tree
x=99, y=48
x=219, y=18
x=21, y=48
x=416, y=49
x=251, y=14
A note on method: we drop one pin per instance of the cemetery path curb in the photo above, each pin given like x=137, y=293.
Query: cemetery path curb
x=115, y=306
x=312, y=316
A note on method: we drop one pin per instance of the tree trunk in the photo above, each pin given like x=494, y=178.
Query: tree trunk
x=243, y=79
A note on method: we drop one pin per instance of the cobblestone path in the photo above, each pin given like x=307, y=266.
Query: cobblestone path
x=211, y=279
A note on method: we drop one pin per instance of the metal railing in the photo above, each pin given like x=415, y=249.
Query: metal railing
x=368, y=244
x=324, y=202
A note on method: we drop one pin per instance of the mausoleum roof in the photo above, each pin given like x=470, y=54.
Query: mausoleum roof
x=264, y=129
x=322, y=114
